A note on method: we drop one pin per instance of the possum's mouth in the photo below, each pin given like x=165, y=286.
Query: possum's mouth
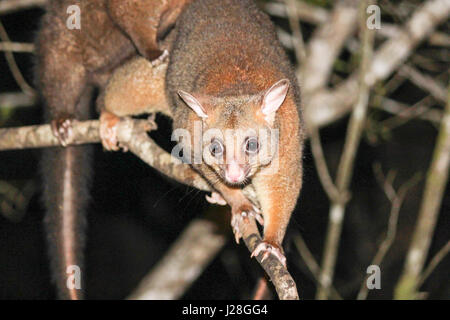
x=238, y=177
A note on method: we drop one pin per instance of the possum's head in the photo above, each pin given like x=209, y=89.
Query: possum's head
x=239, y=132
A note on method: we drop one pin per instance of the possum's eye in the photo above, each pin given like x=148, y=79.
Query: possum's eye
x=216, y=148
x=251, y=145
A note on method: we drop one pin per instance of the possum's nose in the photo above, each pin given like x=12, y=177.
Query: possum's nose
x=234, y=173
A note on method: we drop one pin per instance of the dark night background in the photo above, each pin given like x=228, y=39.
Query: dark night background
x=136, y=213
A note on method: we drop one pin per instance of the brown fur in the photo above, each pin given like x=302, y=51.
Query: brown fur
x=69, y=64
x=230, y=50
x=136, y=87
x=146, y=21
x=226, y=54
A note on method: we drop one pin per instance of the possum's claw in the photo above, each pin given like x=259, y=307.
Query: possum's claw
x=241, y=216
x=268, y=249
x=216, y=198
x=161, y=59
x=257, y=215
x=151, y=122
x=62, y=129
x=235, y=221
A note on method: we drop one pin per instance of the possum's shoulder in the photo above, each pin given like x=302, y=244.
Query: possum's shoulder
x=206, y=11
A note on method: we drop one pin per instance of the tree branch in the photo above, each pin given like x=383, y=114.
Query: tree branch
x=306, y=12
x=396, y=199
x=13, y=65
x=133, y=136
x=16, y=46
x=401, y=110
x=16, y=99
x=407, y=287
x=438, y=257
x=326, y=106
x=318, y=15
x=325, y=45
x=182, y=264
x=297, y=37
x=9, y=6
x=344, y=174
x=425, y=82
x=311, y=263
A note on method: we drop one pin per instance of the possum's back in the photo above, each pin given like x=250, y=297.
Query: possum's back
x=226, y=47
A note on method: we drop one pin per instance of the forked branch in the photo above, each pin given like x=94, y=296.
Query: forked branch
x=132, y=135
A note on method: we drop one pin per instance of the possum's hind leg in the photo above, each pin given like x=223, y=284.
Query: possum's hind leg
x=143, y=28
x=137, y=87
x=151, y=20
x=61, y=76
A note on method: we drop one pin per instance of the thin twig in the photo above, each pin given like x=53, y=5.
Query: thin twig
x=316, y=145
x=438, y=257
x=318, y=15
x=401, y=110
x=417, y=109
x=8, y=6
x=13, y=65
x=326, y=106
x=285, y=38
x=16, y=99
x=16, y=47
x=322, y=167
x=345, y=168
x=311, y=263
x=297, y=39
x=14, y=201
x=396, y=199
x=437, y=176
x=306, y=12
x=424, y=82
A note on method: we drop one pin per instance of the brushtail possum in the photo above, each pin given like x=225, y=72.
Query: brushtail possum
x=228, y=74
x=70, y=63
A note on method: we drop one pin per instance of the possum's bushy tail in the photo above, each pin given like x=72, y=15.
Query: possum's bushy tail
x=66, y=173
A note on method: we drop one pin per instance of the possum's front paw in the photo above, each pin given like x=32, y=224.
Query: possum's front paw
x=62, y=129
x=267, y=249
x=108, y=131
x=240, y=214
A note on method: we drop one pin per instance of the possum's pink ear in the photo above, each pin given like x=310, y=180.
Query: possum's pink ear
x=193, y=103
x=274, y=98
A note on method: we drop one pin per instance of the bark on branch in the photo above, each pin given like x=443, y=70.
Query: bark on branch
x=182, y=264
x=132, y=135
x=437, y=176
